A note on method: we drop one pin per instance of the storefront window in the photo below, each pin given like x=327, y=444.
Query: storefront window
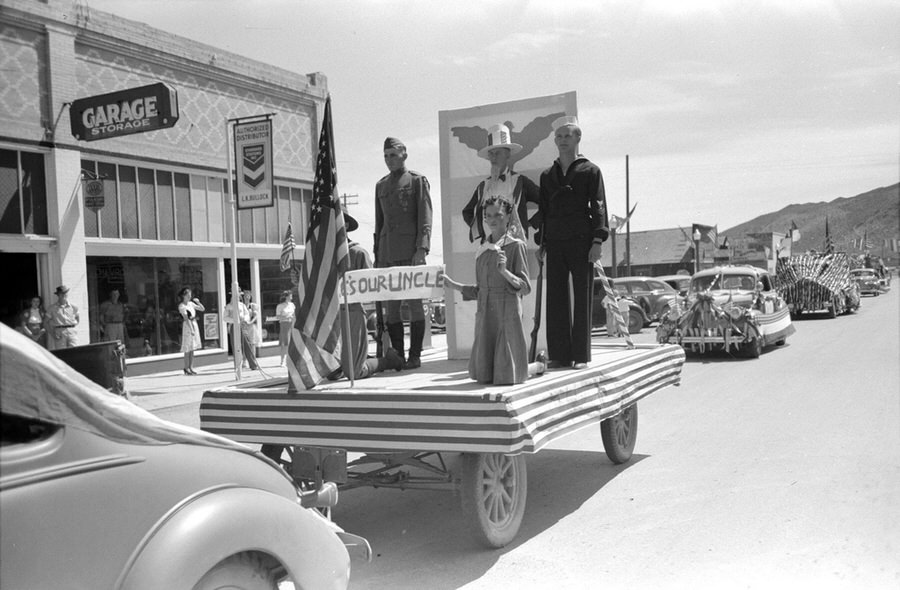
x=273, y=283
x=23, y=193
x=148, y=291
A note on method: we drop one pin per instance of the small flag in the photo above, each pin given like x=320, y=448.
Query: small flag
x=315, y=348
x=287, y=249
x=708, y=233
x=609, y=300
x=794, y=233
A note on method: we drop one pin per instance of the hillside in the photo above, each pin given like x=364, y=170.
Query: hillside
x=874, y=214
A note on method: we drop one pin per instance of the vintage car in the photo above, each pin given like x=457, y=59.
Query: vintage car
x=730, y=308
x=95, y=492
x=868, y=281
x=680, y=282
x=654, y=296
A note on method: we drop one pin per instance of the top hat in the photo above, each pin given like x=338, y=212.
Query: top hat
x=61, y=289
x=499, y=137
x=566, y=120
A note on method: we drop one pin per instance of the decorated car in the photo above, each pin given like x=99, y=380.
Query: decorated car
x=99, y=493
x=729, y=308
x=817, y=282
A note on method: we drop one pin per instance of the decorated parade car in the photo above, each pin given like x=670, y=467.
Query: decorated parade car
x=99, y=493
x=729, y=308
x=817, y=283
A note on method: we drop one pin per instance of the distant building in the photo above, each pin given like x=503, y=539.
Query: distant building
x=667, y=251
x=164, y=222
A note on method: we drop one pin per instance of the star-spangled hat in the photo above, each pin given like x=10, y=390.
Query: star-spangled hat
x=499, y=137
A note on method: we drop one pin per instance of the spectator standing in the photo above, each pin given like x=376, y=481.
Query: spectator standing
x=112, y=318
x=284, y=313
x=190, y=332
x=61, y=321
x=31, y=321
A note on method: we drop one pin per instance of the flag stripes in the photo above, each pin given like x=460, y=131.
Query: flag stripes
x=287, y=248
x=315, y=348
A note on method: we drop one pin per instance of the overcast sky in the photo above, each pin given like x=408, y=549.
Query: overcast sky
x=726, y=109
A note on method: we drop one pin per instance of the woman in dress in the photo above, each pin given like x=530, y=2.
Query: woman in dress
x=499, y=353
x=32, y=321
x=285, y=314
x=190, y=333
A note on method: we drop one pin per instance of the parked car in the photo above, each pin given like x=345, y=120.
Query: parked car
x=730, y=308
x=98, y=493
x=868, y=281
x=681, y=283
x=654, y=296
x=637, y=317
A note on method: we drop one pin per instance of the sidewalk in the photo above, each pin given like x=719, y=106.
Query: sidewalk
x=169, y=389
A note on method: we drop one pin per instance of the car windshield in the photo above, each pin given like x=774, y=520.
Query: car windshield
x=745, y=282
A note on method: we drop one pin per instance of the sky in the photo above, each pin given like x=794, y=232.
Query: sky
x=725, y=109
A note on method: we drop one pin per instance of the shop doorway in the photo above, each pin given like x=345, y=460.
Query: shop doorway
x=16, y=294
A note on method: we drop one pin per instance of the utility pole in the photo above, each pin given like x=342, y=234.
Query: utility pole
x=628, y=223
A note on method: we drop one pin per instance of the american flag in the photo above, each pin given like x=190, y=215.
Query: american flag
x=315, y=348
x=287, y=248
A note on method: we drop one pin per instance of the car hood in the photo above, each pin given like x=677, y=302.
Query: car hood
x=37, y=385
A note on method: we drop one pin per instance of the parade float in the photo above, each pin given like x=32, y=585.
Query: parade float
x=734, y=309
x=817, y=283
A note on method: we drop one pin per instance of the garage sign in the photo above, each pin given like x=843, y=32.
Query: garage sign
x=125, y=112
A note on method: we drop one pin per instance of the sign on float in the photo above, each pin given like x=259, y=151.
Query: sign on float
x=394, y=283
x=136, y=110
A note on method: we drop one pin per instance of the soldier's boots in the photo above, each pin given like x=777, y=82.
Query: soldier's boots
x=416, y=337
x=395, y=332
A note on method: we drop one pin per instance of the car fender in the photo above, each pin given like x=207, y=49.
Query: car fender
x=220, y=522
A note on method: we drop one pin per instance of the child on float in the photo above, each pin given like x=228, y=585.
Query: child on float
x=499, y=353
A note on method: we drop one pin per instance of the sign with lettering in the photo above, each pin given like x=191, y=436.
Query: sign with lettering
x=115, y=114
x=394, y=283
x=253, y=156
x=94, y=197
x=210, y=326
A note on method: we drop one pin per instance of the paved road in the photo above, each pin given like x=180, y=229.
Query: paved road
x=780, y=472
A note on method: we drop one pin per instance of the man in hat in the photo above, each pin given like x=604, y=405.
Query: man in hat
x=402, y=238
x=503, y=183
x=573, y=225
x=62, y=318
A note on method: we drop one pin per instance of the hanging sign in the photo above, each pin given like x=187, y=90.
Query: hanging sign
x=94, y=198
x=253, y=156
x=115, y=114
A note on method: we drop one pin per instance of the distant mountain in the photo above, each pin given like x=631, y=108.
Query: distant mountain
x=874, y=215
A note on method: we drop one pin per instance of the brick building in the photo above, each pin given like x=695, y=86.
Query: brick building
x=165, y=222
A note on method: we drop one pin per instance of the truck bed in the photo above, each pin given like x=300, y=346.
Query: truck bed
x=438, y=408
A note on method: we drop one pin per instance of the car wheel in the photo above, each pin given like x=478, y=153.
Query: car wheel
x=244, y=571
x=619, y=434
x=754, y=348
x=494, y=488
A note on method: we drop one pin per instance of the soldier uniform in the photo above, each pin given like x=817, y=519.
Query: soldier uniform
x=402, y=225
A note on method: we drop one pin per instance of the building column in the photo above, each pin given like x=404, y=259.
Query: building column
x=65, y=211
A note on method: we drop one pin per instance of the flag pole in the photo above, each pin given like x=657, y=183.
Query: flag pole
x=350, y=369
x=235, y=285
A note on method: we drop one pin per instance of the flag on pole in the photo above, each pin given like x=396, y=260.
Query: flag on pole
x=708, y=233
x=795, y=232
x=315, y=348
x=829, y=244
x=612, y=307
x=287, y=248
